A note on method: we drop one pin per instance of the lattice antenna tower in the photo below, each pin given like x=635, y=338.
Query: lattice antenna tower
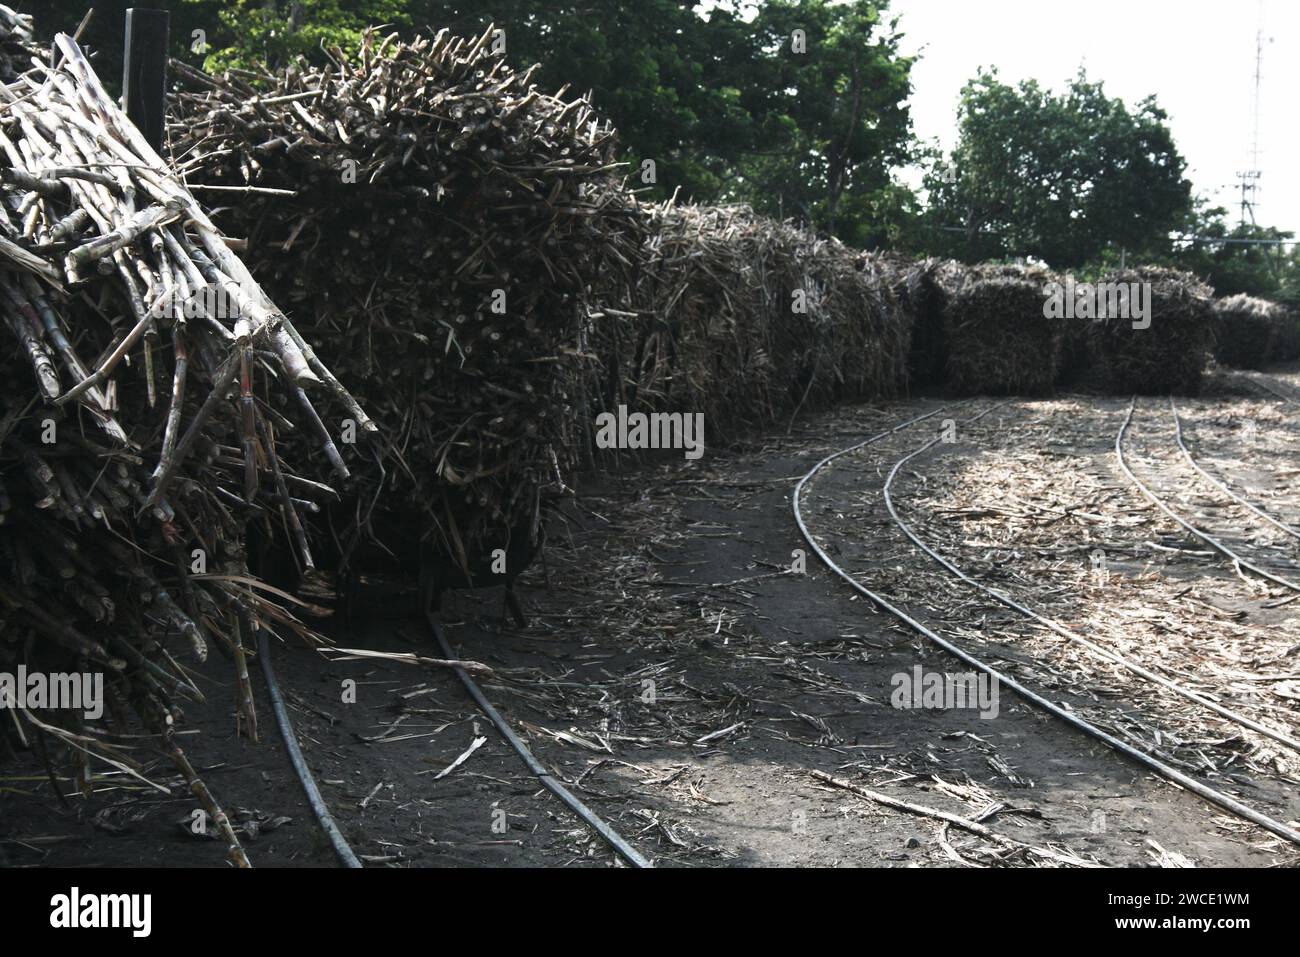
x=1249, y=178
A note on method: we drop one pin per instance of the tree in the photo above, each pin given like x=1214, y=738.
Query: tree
x=1060, y=178
x=1243, y=258
x=274, y=32
x=664, y=74
x=828, y=89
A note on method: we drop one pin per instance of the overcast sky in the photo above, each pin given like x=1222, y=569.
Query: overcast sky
x=1196, y=56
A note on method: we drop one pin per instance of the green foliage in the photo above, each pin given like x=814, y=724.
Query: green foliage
x=1058, y=177
x=238, y=33
x=833, y=116
x=718, y=99
x=661, y=72
x=273, y=32
x=1238, y=265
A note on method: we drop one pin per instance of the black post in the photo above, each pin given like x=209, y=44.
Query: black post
x=144, y=71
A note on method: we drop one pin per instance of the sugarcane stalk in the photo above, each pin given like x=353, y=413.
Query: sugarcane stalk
x=287, y=509
x=234, y=849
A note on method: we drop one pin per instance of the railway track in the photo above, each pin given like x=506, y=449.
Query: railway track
x=1232, y=551
x=1271, y=385
x=1069, y=716
x=1239, y=561
x=319, y=809
x=347, y=857
x=1210, y=701
x=1221, y=485
x=1055, y=626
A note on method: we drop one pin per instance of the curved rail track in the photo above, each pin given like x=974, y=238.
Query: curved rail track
x=1237, y=560
x=610, y=836
x=1055, y=626
x=342, y=850
x=347, y=857
x=1219, y=484
x=1265, y=382
x=1204, y=791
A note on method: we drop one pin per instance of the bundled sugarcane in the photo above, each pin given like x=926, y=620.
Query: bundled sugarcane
x=1247, y=331
x=747, y=320
x=922, y=289
x=1078, y=367
x=448, y=234
x=147, y=387
x=998, y=336
x=1286, y=335
x=1161, y=342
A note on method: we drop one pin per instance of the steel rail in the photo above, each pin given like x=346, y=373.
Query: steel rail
x=1222, y=486
x=1210, y=794
x=347, y=857
x=1055, y=626
x=544, y=777
x=1268, y=388
x=1237, y=561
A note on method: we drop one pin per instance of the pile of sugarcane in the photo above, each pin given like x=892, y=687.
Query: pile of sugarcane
x=920, y=289
x=747, y=319
x=1172, y=352
x=447, y=234
x=1286, y=336
x=1249, y=333
x=148, y=384
x=997, y=335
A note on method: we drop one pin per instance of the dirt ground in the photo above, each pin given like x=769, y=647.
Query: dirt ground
x=686, y=683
